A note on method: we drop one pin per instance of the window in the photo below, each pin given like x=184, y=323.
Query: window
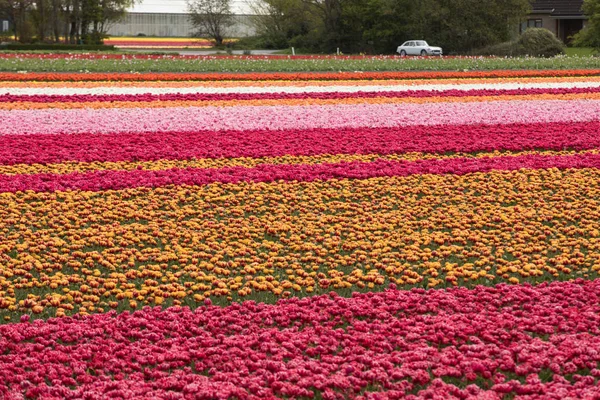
x=534, y=23
x=531, y=23
x=421, y=44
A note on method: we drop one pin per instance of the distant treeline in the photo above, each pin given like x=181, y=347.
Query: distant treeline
x=378, y=26
x=67, y=21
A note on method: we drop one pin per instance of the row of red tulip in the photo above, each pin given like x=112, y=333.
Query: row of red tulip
x=538, y=342
x=232, y=76
x=120, y=179
x=54, y=148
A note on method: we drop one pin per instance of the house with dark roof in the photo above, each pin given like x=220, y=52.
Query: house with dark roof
x=563, y=17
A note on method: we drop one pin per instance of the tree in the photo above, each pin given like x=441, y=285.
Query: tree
x=590, y=35
x=111, y=11
x=374, y=26
x=330, y=12
x=79, y=21
x=463, y=25
x=18, y=12
x=41, y=18
x=210, y=18
x=279, y=22
x=57, y=15
x=90, y=18
x=379, y=26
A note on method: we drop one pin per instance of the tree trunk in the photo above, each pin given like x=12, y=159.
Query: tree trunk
x=56, y=21
x=22, y=21
x=42, y=28
x=15, y=20
x=73, y=32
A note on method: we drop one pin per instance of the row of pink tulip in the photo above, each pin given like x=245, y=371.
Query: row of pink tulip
x=53, y=148
x=77, y=98
x=538, y=342
x=113, y=120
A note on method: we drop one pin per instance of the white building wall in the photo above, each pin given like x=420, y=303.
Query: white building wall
x=171, y=25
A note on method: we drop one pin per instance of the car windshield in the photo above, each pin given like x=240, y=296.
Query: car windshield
x=421, y=43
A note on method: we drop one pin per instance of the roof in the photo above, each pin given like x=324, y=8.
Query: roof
x=560, y=7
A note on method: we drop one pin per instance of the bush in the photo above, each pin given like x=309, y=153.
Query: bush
x=535, y=42
x=45, y=46
x=92, y=38
x=505, y=49
x=251, y=42
x=589, y=36
x=540, y=42
x=6, y=37
x=310, y=41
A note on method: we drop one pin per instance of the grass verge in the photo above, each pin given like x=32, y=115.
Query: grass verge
x=267, y=64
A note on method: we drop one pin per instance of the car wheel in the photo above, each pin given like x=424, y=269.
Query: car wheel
x=402, y=53
x=423, y=53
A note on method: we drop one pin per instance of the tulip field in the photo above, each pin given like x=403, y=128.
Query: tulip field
x=306, y=235
x=137, y=42
x=111, y=62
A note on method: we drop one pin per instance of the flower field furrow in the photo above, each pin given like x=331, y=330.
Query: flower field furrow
x=325, y=235
x=273, y=87
x=294, y=102
x=84, y=252
x=163, y=43
x=227, y=145
x=243, y=85
x=289, y=117
x=247, y=162
x=122, y=179
x=452, y=344
x=225, y=76
x=568, y=89
x=216, y=77
x=160, y=44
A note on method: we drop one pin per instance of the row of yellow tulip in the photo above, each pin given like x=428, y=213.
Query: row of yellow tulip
x=82, y=252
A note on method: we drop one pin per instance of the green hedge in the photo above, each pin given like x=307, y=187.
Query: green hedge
x=45, y=46
x=535, y=42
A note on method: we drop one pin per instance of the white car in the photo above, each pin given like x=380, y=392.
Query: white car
x=418, y=48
